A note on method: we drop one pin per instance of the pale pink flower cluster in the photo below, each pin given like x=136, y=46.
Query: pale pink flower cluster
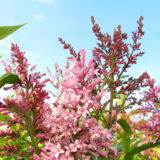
x=72, y=132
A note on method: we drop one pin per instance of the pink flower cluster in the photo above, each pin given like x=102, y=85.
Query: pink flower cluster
x=28, y=106
x=72, y=132
x=113, y=57
x=151, y=110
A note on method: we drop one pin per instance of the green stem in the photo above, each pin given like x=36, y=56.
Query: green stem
x=31, y=132
x=30, y=124
x=111, y=103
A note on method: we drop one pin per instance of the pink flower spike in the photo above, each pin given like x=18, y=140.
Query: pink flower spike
x=83, y=59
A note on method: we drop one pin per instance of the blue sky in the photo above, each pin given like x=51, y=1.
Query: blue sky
x=70, y=19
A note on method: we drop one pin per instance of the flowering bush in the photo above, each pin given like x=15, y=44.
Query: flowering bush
x=88, y=118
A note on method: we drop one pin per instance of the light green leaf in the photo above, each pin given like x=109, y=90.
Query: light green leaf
x=13, y=127
x=126, y=142
x=2, y=118
x=7, y=30
x=122, y=98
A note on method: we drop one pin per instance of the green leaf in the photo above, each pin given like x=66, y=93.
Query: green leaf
x=135, y=145
x=12, y=157
x=125, y=126
x=126, y=142
x=2, y=118
x=13, y=127
x=9, y=78
x=122, y=99
x=140, y=149
x=120, y=147
x=7, y=30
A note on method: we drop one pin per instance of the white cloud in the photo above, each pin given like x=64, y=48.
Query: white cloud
x=39, y=16
x=46, y=1
x=32, y=54
x=11, y=22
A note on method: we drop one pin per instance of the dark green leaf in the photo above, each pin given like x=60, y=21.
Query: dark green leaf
x=140, y=149
x=11, y=157
x=125, y=126
x=135, y=145
x=126, y=140
x=9, y=78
